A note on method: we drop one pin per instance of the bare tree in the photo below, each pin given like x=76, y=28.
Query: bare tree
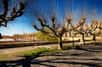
x=69, y=27
x=15, y=12
x=92, y=29
x=79, y=28
x=55, y=29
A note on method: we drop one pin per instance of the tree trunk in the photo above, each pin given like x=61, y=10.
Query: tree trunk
x=60, y=42
x=70, y=34
x=0, y=36
x=73, y=41
x=86, y=34
x=83, y=39
x=94, y=37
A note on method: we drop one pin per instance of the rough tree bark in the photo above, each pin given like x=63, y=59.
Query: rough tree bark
x=60, y=42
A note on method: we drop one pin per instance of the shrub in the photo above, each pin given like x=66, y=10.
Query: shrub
x=41, y=36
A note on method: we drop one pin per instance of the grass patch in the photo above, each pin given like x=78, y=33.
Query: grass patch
x=33, y=53
x=46, y=51
x=7, y=56
x=3, y=57
x=37, y=51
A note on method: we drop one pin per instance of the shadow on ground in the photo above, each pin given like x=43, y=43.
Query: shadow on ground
x=31, y=62
x=28, y=61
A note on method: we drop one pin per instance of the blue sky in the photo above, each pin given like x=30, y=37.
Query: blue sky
x=62, y=8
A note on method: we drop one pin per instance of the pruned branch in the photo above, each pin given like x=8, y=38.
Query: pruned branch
x=40, y=29
x=4, y=18
x=53, y=19
x=42, y=21
x=5, y=6
x=53, y=29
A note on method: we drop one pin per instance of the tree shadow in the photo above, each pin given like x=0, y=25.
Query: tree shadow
x=92, y=47
x=56, y=61
x=27, y=61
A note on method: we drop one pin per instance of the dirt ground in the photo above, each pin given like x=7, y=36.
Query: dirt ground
x=87, y=56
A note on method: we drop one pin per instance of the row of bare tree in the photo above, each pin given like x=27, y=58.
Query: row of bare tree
x=55, y=28
x=58, y=30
